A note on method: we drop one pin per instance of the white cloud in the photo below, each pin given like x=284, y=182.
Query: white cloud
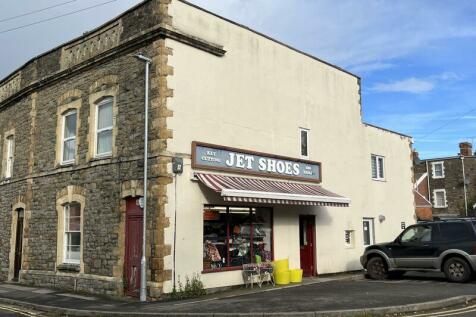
x=370, y=67
x=447, y=76
x=411, y=85
x=411, y=123
x=352, y=33
x=415, y=85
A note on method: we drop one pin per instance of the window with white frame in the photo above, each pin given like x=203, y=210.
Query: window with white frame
x=72, y=233
x=349, y=238
x=9, y=155
x=304, y=135
x=104, y=126
x=368, y=231
x=438, y=169
x=378, y=167
x=68, y=147
x=439, y=198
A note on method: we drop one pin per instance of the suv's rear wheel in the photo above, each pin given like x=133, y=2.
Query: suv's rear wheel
x=457, y=270
x=377, y=268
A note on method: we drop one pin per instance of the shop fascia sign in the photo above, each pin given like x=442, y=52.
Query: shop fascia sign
x=227, y=159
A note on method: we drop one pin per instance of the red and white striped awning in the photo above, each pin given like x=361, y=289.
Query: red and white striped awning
x=257, y=190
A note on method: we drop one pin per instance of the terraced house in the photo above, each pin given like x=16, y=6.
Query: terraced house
x=256, y=151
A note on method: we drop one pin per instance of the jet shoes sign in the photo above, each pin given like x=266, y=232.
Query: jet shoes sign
x=227, y=159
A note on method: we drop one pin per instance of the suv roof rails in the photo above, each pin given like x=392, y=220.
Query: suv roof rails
x=453, y=219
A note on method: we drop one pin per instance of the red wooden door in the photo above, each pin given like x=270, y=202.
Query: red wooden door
x=133, y=252
x=307, y=244
x=18, y=245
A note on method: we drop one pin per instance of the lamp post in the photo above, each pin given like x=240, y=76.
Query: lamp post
x=143, y=263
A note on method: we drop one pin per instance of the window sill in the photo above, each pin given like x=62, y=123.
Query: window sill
x=102, y=156
x=66, y=164
x=222, y=269
x=68, y=267
x=438, y=177
x=440, y=207
x=379, y=179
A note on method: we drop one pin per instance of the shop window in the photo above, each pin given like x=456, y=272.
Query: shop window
x=304, y=142
x=378, y=167
x=233, y=236
x=368, y=231
x=72, y=233
x=68, y=147
x=438, y=170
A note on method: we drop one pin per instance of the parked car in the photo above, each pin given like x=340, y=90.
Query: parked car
x=447, y=246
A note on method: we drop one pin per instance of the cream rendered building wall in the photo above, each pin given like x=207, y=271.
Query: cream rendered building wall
x=257, y=97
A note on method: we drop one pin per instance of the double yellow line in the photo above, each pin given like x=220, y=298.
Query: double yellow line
x=18, y=311
x=452, y=312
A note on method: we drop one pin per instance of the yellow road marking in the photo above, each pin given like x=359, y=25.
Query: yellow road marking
x=449, y=312
x=15, y=310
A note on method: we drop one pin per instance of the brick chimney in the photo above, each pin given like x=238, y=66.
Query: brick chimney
x=465, y=149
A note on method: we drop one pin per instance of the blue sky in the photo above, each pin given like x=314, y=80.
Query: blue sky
x=415, y=58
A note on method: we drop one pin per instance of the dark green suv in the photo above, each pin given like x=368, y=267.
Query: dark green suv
x=447, y=246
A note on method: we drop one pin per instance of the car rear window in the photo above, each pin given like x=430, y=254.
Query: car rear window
x=455, y=231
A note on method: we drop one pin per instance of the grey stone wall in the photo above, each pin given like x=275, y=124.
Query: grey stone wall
x=70, y=283
x=101, y=179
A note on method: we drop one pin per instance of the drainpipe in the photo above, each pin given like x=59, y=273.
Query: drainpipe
x=143, y=262
x=428, y=182
x=464, y=187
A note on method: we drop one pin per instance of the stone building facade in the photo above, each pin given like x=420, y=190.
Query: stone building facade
x=33, y=99
x=71, y=140
x=448, y=183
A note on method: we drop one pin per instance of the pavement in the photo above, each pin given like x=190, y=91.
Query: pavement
x=339, y=295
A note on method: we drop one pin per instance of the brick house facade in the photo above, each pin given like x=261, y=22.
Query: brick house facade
x=443, y=183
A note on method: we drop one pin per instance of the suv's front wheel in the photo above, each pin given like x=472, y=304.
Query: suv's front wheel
x=457, y=270
x=377, y=268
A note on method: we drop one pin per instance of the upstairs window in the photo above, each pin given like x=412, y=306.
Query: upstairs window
x=104, y=125
x=72, y=233
x=304, y=134
x=69, y=137
x=9, y=155
x=439, y=198
x=438, y=169
x=378, y=167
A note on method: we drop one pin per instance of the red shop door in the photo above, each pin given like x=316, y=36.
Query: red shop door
x=133, y=254
x=307, y=244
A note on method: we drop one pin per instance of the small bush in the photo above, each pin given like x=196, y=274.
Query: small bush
x=193, y=288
